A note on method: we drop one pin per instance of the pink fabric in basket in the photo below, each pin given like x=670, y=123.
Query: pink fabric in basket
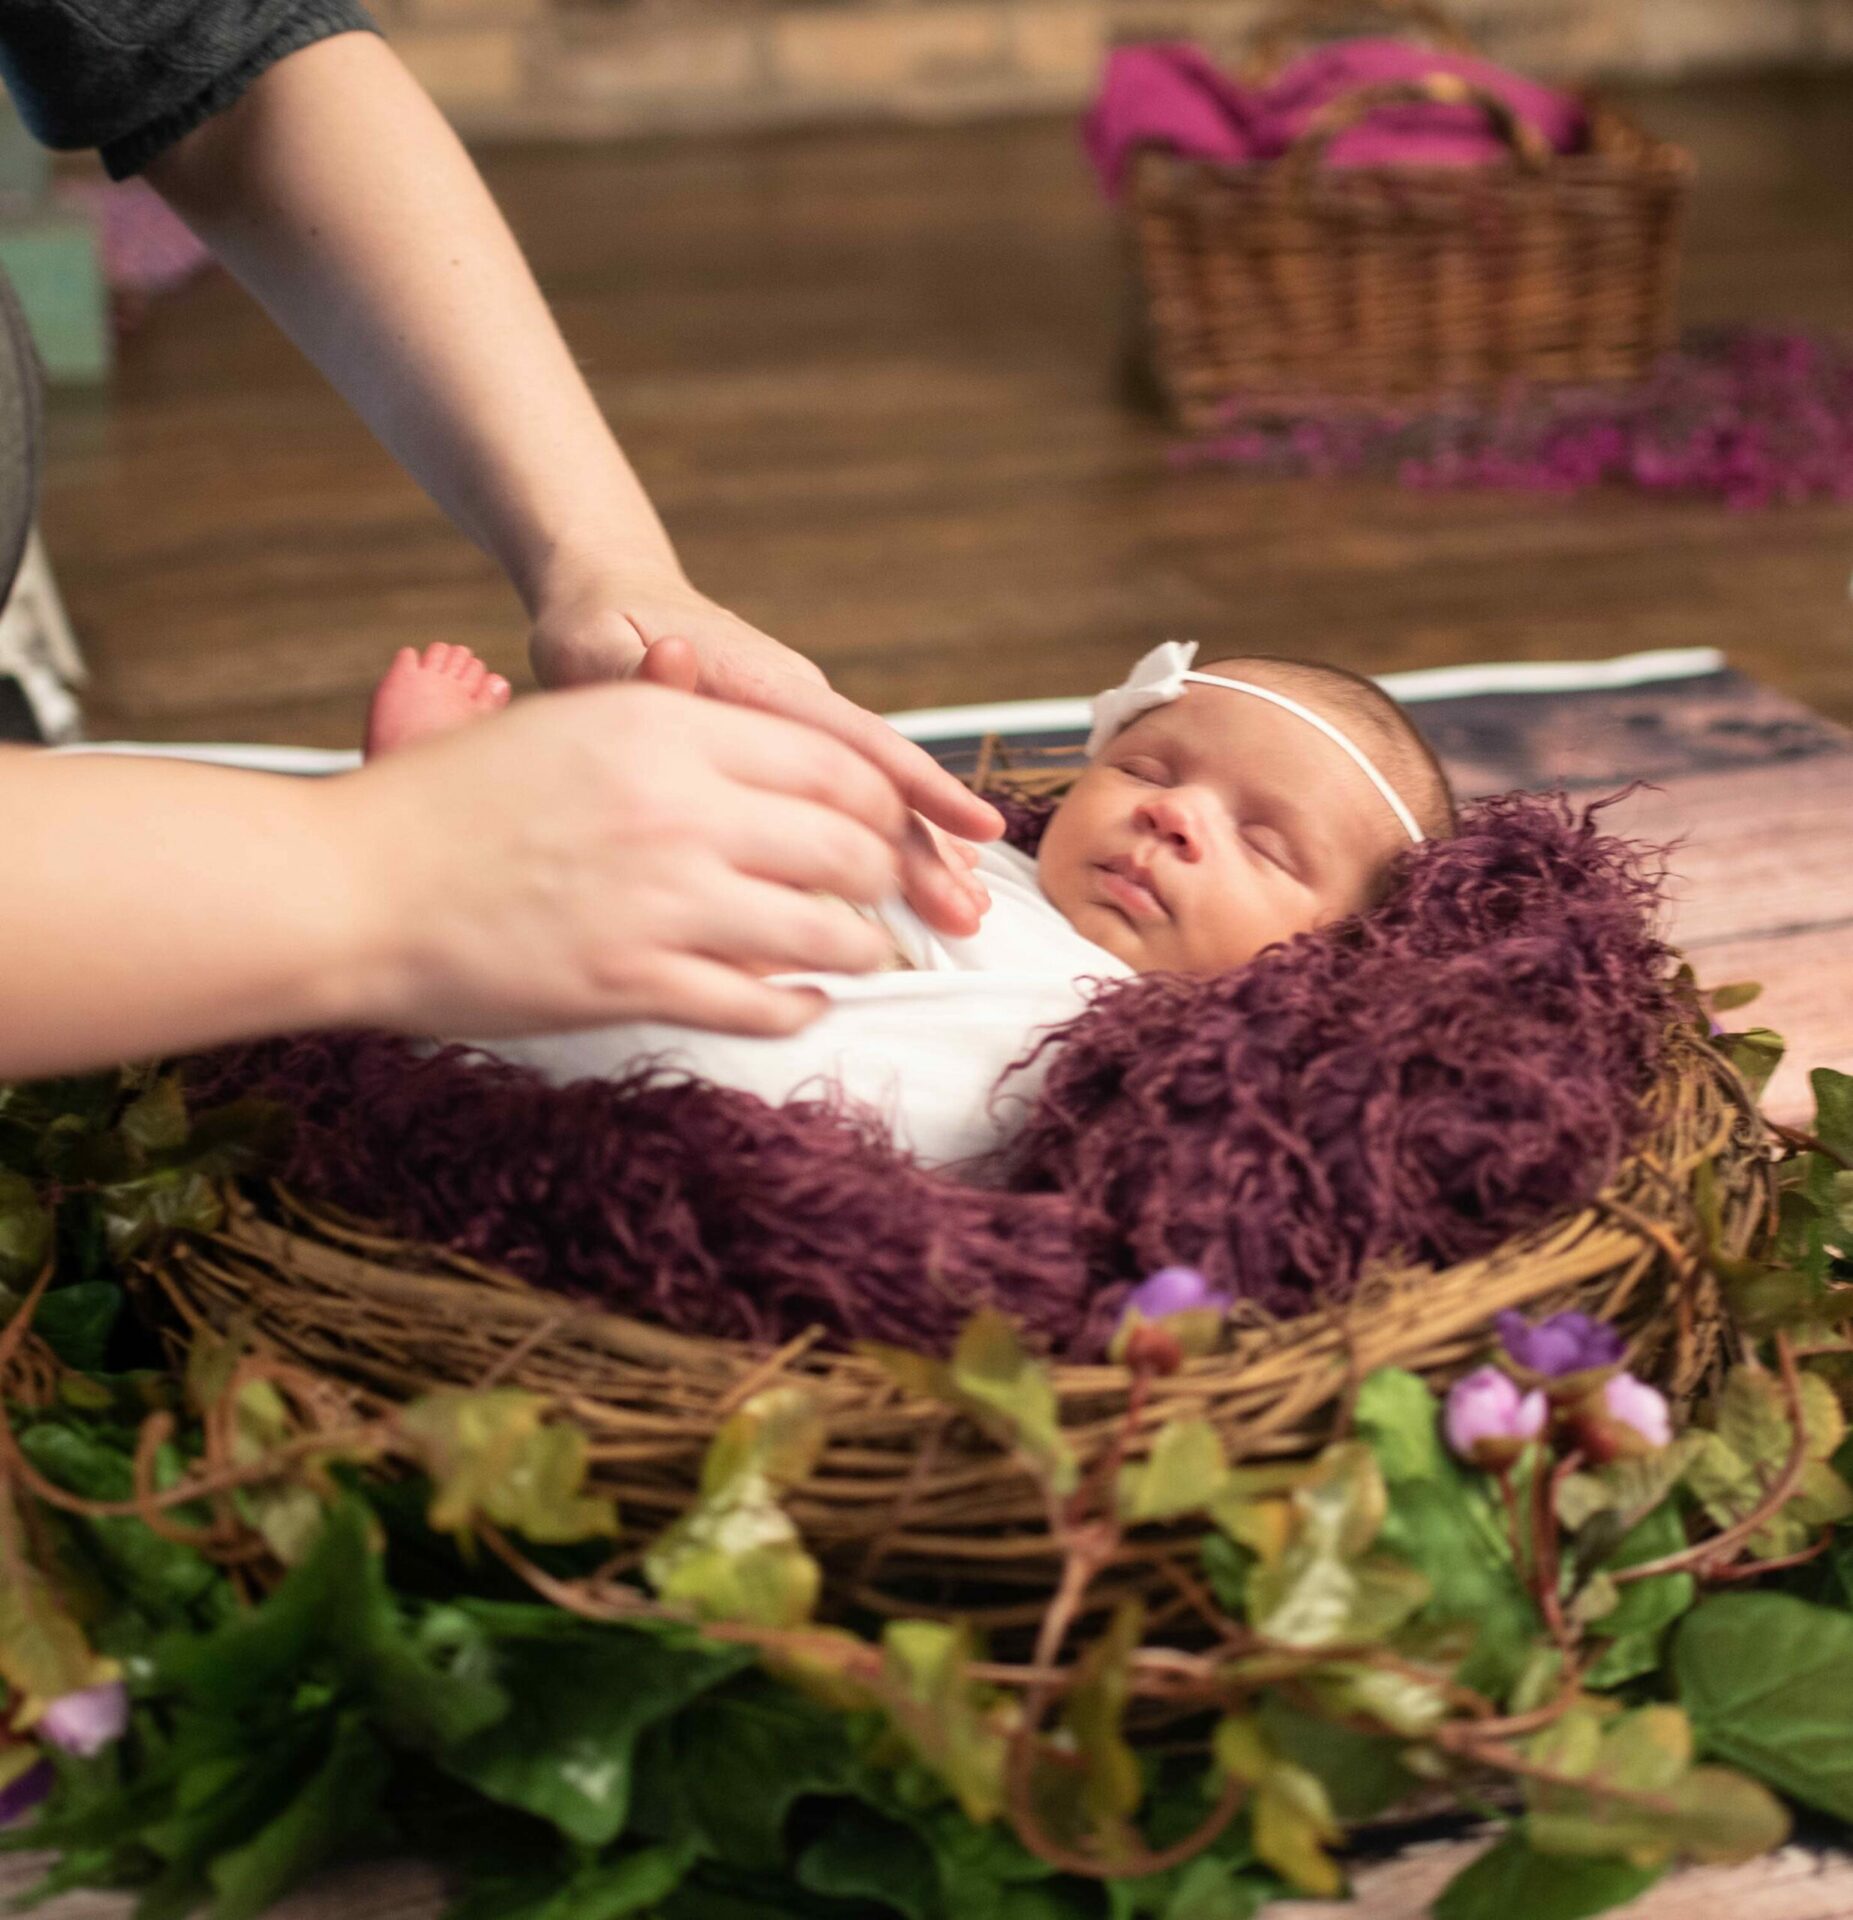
x=1171, y=94
x=1168, y=94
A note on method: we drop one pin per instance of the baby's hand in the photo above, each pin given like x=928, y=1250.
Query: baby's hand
x=938, y=868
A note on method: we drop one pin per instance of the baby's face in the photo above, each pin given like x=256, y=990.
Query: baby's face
x=1211, y=828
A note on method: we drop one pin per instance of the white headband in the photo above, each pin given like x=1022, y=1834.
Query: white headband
x=1161, y=677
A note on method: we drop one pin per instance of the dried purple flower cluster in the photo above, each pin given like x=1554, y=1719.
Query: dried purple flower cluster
x=1749, y=417
x=1459, y=1064
x=1570, y=1388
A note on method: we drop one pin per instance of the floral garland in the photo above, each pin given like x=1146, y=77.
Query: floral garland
x=243, y=1631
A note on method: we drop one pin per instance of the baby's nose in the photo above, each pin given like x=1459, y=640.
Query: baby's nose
x=1176, y=816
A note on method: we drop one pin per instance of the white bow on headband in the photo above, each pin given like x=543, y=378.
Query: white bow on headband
x=1162, y=676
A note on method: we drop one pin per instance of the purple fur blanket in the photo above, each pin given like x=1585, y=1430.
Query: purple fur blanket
x=1459, y=1064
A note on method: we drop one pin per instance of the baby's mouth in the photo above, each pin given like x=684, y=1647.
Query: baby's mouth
x=1130, y=889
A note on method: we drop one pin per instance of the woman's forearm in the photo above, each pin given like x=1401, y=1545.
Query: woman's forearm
x=337, y=193
x=149, y=907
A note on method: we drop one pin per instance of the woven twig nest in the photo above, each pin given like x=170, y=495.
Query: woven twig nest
x=910, y=1507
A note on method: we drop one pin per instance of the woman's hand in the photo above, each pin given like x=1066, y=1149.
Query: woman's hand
x=658, y=628
x=613, y=853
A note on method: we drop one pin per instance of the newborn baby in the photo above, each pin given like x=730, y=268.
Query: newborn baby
x=1221, y=811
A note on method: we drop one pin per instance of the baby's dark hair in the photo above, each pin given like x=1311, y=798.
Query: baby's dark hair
x=1362, y=710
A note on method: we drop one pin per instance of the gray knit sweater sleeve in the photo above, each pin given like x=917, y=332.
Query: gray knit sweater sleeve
x=130, y=77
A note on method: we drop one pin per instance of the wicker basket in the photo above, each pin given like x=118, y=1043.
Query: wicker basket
x=910, y=1509
x=1288, y=283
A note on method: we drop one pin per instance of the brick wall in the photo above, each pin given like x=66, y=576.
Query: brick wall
x=597, y=68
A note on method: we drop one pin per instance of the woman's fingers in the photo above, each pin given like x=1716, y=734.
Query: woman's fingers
x=695, y=991
x=788, y=757
x=921, y=781
x=804, y=843
x=759, y=924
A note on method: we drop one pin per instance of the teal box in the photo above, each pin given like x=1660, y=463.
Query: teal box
x=51, y=259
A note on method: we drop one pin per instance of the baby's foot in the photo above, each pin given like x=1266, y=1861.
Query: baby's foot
x=422, y=697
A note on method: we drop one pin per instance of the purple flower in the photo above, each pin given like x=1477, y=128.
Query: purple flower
x=20, y=1796
x=86, y=1722
x=1173, y=1314
x=1565, y=1343
x=1489, y=1419
x=1633, y=1404
x=1175, y=1290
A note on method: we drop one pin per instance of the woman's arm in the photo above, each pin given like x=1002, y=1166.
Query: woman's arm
x=148, y=906
x=339, y=195
x=617, y=853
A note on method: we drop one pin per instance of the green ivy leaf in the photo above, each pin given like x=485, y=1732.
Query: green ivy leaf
x=1752, y=1419
x=43, y=1653
x=338, y=1805
x=491, y=1456
x=879, y=1864
x=1707, y=1814
x=1093, y=1712
x=1644, y=1609
x=1514, y=1879
x=735, y=1555
x=597, y=1889
x=1363, y=1773
x=1254, y=1507
x=333, y=1621
x=1321, y=1590
x=1731, y=1466
x=1740, y=993
x=162, y=1579
x=25, y=1230
x=1405, y=1704
x=155, y=1121
x=955, y=1728
x=566, y=1749
x=993, y=1379
x=735, y=1762
x=1182, y=1474
x=991, y=1372
x=76, y=1322
x=172, y=1200
x=1213, y=1886
x=1768, y=1681
x=1447, y=1524
x=1756, y=1055
x=1833, y=1110
x=777, y=1435
x=1290, y=1812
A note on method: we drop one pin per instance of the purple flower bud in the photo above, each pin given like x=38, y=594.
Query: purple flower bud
x=1565, y=1343
x=1488, y=1418
x=1632, y=1403
x=86, y=1722
x=19, y=1797
x=1175, y=1290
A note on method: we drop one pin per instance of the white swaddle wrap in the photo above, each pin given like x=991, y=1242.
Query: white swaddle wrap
x=925, y=1050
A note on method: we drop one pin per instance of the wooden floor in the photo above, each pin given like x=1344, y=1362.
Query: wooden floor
x=871, y=380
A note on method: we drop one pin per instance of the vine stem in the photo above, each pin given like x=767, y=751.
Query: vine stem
x=1707, y=1555
x=1808, y=1142
x=16, y=1329
x=1547, y=1571
x=1469, y=1744
x=1020, y=1802
x=1755, y=1569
